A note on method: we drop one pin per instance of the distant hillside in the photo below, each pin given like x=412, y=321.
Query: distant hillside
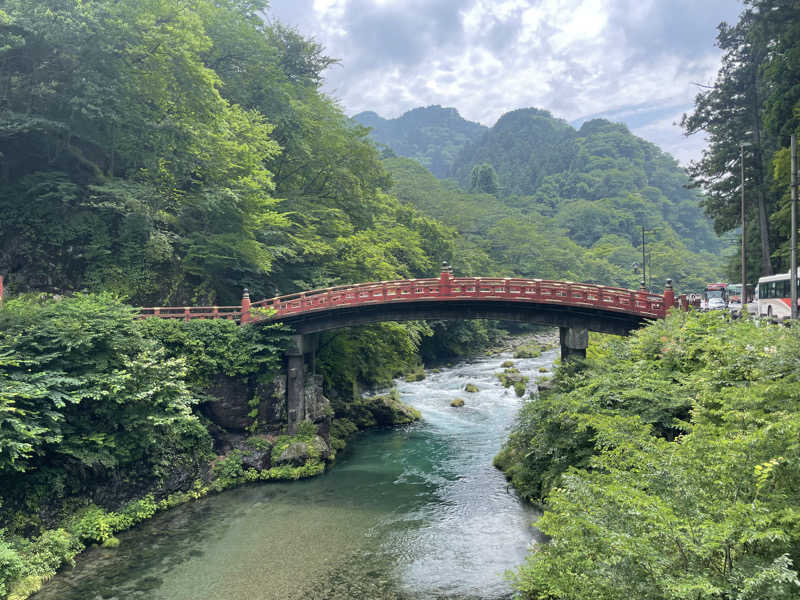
x=598, y=180
x=433, y=135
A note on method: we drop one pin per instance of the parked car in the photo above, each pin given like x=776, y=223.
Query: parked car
x=716, y=304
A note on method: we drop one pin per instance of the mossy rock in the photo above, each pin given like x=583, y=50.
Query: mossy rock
x=471, y=388
x=519, y=388
x=417, y=376
x=507, y=364
x=511, y=377
x=527, y=352
x=542, y=369
x=296, y=454
x=457, y=402
x=389, y=410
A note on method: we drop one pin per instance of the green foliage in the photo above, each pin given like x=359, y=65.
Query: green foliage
x=668, y=466
x=483, y=180
x=569, y=234
x=370, y=357
x=11, y=566
x=341, y=430
x=191, y=216
x=220, y=347
x=433, y=136
x=228, y=470
x=183, y=215
x=258, y=443
x=81, y=391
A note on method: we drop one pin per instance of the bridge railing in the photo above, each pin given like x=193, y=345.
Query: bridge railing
x=444, y=288
x=187, y=313
x=452, y=288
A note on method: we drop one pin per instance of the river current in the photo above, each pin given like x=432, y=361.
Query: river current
x=412, y=513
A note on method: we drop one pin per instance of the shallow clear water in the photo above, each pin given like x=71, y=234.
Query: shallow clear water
x=412, y=513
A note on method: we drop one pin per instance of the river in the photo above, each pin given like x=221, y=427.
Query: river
x=413, y=513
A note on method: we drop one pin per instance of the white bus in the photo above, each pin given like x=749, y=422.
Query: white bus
x=774, y=295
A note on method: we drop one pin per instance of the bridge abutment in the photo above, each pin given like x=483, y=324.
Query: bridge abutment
x=301, y=346
x=574, y=341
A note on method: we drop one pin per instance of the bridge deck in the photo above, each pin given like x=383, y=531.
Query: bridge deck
x=446, y=288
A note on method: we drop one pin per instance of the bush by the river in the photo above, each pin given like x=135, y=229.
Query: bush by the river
x=669, y=466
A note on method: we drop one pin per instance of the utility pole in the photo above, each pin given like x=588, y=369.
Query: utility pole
x=644, y=266
x=793, y=259
x=744, y=267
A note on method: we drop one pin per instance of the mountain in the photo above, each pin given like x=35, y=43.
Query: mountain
x=597, y=180
x=432, y=135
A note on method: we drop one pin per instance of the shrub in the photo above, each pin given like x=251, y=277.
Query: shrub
x=11, y=566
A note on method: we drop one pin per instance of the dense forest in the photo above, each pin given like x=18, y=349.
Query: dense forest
x=433, y=136
x=668, y=466
x=750, y=112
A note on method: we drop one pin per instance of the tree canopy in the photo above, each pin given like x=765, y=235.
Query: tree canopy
x=748, y=114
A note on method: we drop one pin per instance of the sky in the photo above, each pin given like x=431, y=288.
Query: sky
x=639, y=62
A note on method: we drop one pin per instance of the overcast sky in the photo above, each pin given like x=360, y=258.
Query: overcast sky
x=634, y=61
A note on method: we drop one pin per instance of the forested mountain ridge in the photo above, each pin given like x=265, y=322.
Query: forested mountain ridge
x=595, y=181
x=431, y=135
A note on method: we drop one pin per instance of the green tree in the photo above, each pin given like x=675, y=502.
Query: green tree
x=83, y=394
x=483, y=180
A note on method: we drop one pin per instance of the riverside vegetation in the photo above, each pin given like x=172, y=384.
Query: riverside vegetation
x=668, y=466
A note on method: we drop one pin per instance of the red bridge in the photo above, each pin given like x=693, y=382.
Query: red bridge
x=575, y=308
x=562, y=303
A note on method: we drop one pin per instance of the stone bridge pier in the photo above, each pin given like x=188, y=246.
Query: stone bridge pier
x=300, y=357
x=574, y=341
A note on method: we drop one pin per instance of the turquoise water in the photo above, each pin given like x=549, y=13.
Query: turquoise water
x=412, y=513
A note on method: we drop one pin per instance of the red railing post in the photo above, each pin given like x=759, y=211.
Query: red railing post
x=245, y=317
x=444, y=279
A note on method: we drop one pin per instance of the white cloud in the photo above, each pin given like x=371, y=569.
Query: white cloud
x=628, y=59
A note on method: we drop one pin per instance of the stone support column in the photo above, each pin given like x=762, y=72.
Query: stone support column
x=574, y=341
x=295, y=383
